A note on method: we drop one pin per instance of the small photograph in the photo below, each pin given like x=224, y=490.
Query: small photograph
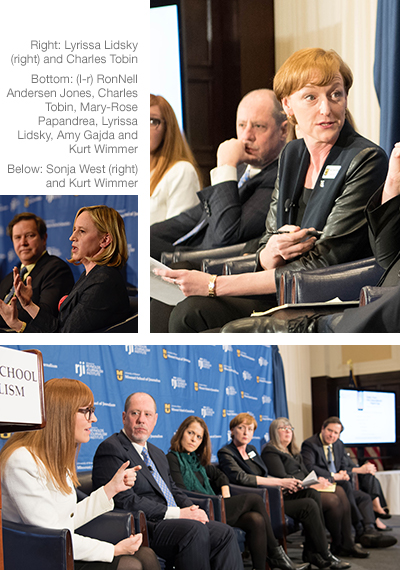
x=295, y=445
x=68, y=264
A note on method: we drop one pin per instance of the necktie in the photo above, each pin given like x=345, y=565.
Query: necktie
x=192, y=232
x=10, y=295
x=159, y=480
x=331, y=463
x=244, y=178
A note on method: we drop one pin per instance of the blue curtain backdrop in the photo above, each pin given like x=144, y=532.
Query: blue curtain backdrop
x=59, y=213
x=387, y=71
x=213, y=382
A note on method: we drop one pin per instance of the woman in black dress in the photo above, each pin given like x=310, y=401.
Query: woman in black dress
x=190, y=466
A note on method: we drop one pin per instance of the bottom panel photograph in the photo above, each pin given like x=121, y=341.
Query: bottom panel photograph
x=188, y=456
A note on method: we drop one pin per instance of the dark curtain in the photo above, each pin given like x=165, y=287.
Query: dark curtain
x=280, y=401
x=387, y=71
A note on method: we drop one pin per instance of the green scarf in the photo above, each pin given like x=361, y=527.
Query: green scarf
x=189, y=463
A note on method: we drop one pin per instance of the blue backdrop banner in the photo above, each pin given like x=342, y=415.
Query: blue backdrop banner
x=213, y=382
x=59, y=213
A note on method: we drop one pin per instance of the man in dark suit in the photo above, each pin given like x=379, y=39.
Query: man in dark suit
x=51, y=277
x=325, y=454
x=179, y=531
x=233, y=209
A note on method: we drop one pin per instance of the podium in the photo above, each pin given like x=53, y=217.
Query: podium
x=21, y=398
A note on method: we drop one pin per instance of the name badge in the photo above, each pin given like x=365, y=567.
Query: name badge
x=331, y=171
x=252, y=454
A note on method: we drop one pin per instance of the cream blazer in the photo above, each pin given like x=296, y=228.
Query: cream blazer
x=30, y=498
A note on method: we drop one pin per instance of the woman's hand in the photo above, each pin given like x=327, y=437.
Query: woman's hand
x=292, y=484
x=392, y=184
x=9, y=313
x=123, y=479
x=284, y=247
x=128, y=545
x=323, y=484
x=189, y=282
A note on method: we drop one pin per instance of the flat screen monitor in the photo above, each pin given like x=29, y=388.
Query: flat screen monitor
x=165, y=59
x=368, y=417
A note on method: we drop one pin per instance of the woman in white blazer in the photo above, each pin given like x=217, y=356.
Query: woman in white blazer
x=39, y=479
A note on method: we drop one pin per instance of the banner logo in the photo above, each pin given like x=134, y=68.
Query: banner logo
x=196, y=386
x=241, y=394
x=258, y=379
x=164, y=353
x=120, y=375
x=167, y=408
x=223, y=413
x=220, y=367
x=238, y=352
x=80, y=368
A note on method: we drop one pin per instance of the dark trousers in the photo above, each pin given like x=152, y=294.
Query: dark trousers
x=305, y=506
x=370, y=484
x=191, y=545
x=198, y=314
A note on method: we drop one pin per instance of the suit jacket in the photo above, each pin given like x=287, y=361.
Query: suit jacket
x=337, y=203
x=314, y=457
x=97, y=300
x=231, y=214
x=51, y=279
x=29, y=498
x=236, y=468
x=283, y=465
x=145, y=495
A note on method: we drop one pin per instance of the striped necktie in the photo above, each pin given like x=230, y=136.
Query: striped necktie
x=331, y=463
x=159, y=480
x=10, y=294
x=245, y=177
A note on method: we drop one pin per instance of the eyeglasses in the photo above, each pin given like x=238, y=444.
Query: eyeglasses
x=87, y=412
x=155, y=123
x=286, y=428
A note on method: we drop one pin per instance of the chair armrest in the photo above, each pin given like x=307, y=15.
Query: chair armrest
x=217, y=501
x=36, y=548
x=110, y=527
x=369, y=294
x=205, y=503
x=196, y=256
x=344, y=281
x=242, y=264
x=239, y=490
x=140, y=523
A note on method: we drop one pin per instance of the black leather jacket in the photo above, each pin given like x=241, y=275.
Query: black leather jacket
x=337, y=203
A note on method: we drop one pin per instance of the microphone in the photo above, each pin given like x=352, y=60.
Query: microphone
x=150, y=468
x=288, y=204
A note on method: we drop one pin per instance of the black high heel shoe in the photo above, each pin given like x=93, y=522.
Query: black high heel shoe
x=277, y=558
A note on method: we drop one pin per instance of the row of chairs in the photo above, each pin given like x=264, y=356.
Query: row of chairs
x=355, y=281
x=50, y=549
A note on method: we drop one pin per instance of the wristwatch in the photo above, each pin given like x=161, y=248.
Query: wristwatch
x=212, y=286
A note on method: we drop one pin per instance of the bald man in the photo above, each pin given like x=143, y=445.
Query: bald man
x=233, y=209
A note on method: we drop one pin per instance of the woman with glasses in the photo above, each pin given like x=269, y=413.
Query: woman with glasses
x=282, y=457
x=244, y=466
x=38, y=480
x=174, y=175
x=191, y=469
x=99, y=298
